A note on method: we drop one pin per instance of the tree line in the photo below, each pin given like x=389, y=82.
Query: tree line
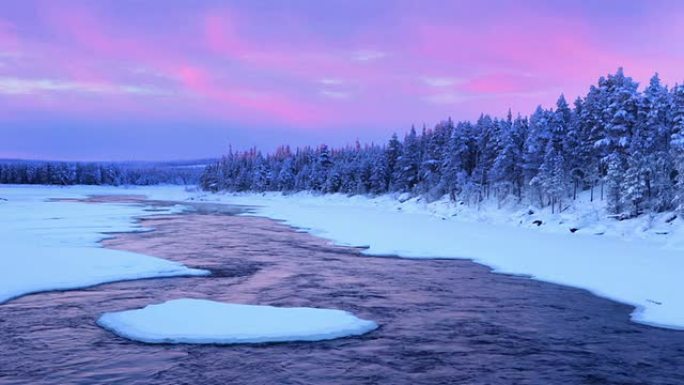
x=618, y=143
x=67, y=173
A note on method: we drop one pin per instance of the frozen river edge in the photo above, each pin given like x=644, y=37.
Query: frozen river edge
x=637, y=272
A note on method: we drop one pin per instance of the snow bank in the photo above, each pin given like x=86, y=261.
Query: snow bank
x=54, y=245
x=196, y=321
x=635, y=270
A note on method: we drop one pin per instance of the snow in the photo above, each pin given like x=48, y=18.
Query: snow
x=632, y=262
x=47, y=245
x=199, y=321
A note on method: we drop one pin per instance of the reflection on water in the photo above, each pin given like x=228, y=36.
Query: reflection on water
x=442, y=321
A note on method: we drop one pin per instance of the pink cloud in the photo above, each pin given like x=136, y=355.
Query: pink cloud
x=230, y=99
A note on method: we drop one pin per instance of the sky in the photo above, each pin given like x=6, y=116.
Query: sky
x=183, y=79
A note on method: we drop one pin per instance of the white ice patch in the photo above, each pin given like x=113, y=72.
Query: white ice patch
x=197, y=321
x=54, y=245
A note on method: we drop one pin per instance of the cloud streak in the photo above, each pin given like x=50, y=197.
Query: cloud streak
x=18, y=86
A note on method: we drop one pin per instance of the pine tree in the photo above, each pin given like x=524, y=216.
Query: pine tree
x=454, y=160
x=677, y=143
x=392, y=155
x=408, y=163
x=638, y=173
x=379, y=178
x=487, y=149
x=535, y=149
x=620, y=117
x=507, y=170
x=655, y=127
x=614, y=183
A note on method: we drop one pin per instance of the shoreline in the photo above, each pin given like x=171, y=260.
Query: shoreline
x=640, y=273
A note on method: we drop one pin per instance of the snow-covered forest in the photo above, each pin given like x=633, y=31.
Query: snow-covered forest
x=623, y=144
x=122, y=173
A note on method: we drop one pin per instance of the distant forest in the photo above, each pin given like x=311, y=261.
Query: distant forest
x=619, y=143
x=96, y=173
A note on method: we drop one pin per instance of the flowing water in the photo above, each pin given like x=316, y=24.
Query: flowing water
x=442, y=321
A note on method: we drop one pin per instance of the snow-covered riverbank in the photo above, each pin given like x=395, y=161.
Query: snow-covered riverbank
x=638, y=261
x=47, y=245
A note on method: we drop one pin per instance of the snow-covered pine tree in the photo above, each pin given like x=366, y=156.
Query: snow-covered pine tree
x=614, y=183
x=655, y=132
x=637, y=177
x=454, y=159
x=534, y=151
x=408, y=163
x=677, y=144
x=507, y=170
x=620, y=118
x=486, y=144
x=380, y=172
x=392, y=154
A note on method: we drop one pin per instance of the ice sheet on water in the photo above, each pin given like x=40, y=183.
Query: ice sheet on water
x=198, y=321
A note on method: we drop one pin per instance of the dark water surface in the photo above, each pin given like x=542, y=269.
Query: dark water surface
x=442, y=321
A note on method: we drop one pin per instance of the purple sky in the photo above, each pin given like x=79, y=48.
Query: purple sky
x=171, y=79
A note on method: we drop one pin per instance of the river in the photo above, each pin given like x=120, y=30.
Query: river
x=442, y=321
